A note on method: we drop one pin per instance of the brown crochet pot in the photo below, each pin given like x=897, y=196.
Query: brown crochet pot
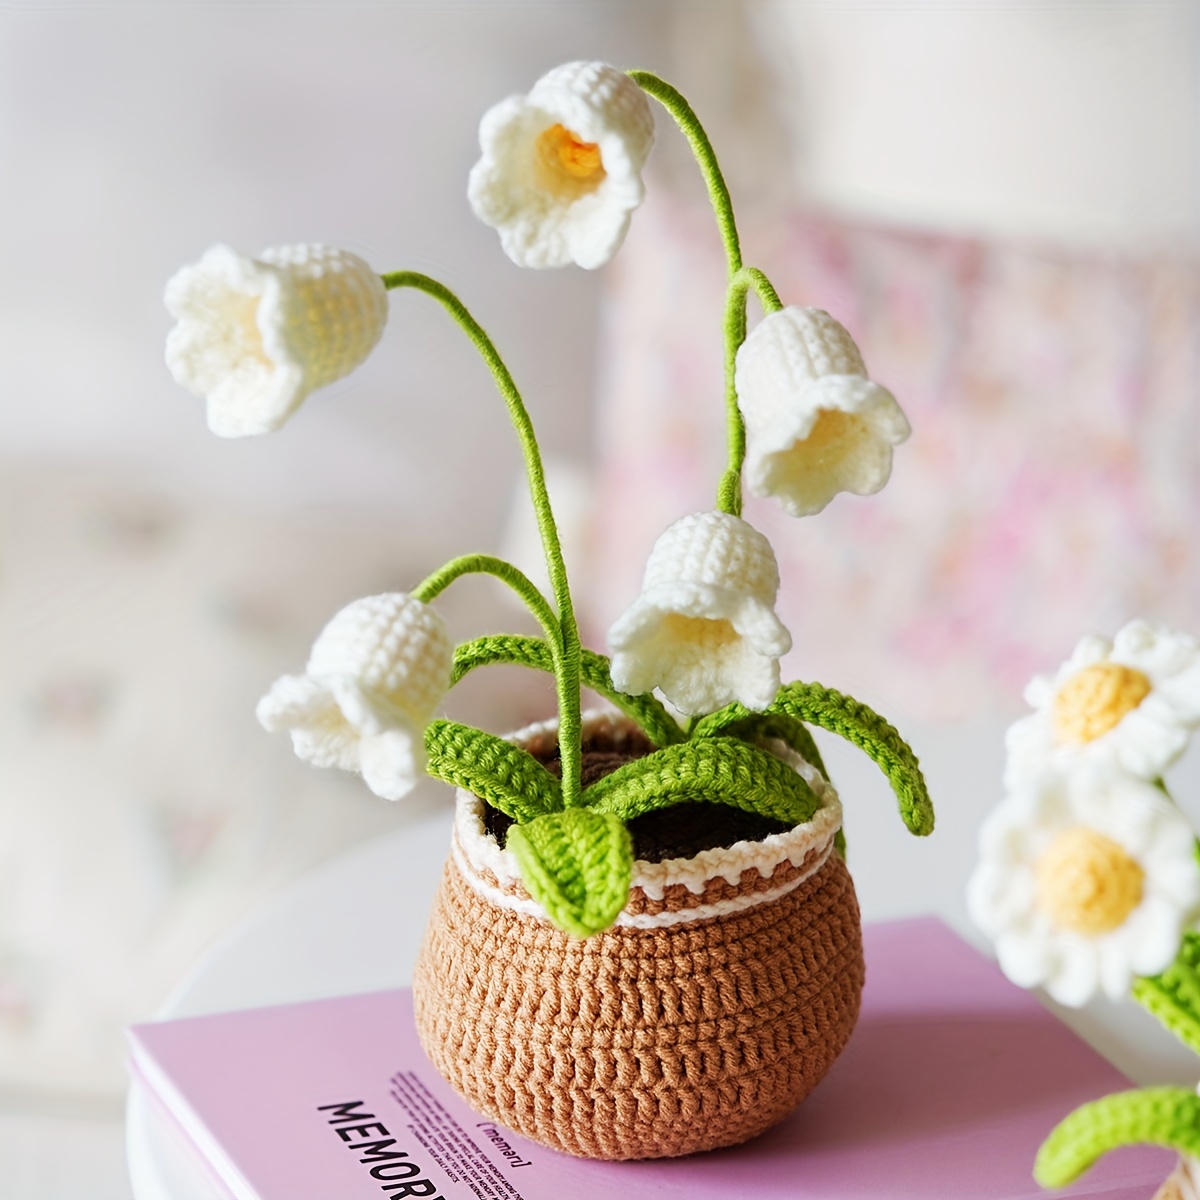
x=719, y=1000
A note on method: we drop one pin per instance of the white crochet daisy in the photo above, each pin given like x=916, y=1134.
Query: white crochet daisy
x=561, y=167
x=1086, y=879
x=704, y=630
x=1133, y=700
x=376, y=674
x=815, y=424
x=256, y=335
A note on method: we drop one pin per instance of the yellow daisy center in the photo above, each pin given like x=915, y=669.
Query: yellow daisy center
x=566, y=163
x=1087, y=883
x=1095, y=700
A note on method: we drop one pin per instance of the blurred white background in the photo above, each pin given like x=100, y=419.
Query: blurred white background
x=154, y=579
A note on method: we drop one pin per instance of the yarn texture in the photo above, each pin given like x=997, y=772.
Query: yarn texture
x=704, y=628
x=561, y=167
x=376, y=674
x=726, y=987
x=256, y=336
x=815, y=424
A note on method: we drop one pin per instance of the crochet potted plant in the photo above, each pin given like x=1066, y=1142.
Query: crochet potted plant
x=646, y=941
x=1088, y=879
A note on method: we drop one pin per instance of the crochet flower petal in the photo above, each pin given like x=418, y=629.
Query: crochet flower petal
x=255, y=336
x=392, y=762
x=560, y=172
x=376, y=674
x=1134, y=701
x=704, y=630
x=1086, y=879
x=815, y=424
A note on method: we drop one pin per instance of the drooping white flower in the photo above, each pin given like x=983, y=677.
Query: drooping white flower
x=1086, y=878
x=1132, y=700
x=256, y=335
x=374, y=678
x=561, y=170
x=815, y=424
x=704, y=629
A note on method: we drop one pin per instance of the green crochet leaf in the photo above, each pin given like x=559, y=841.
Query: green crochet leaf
x=658, y=724
x=578, y=865
x=735, y=720
x=1174, y=996
x=503, y=775
x=1162, y=1116
x=863, y=727
x=721, y=770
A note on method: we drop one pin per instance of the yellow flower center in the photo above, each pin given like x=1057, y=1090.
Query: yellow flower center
x=1087, y=883
x=1095, y=699
x=566, y=164
x=832, y=436
x=703, y=632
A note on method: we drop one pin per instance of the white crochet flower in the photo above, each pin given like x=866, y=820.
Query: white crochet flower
x=256, y=335
x=704, y=629
x=376, y=673
x=561, y=168
x=815, y=424
x=1133, y=700
x=1183, y=1183
x=1086, y=878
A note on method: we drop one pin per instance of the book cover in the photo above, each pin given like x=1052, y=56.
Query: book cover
x=952, y=1079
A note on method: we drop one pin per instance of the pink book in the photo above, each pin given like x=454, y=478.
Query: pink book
x=949, y=1084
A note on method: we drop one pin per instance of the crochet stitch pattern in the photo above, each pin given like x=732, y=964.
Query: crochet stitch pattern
x=592, y=999
x=1089, y=875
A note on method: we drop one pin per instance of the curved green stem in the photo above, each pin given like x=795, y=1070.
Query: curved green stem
x=741, y=281
x=689, y=123
x=657, y=724
x=1163, y=1116
x=567, y=676
x=484, y=564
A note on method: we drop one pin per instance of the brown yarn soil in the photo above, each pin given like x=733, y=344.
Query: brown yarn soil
x=681, y=831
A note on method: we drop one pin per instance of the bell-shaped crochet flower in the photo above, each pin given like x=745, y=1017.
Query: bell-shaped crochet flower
x=376, y=673
x=561, y=170
x=256, y=335
x=704, y=629
x=815, y=424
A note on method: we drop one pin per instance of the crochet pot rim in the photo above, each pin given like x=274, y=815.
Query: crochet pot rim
x=678, y=883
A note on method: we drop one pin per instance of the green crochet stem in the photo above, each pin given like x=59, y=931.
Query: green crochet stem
x=658, y=724
x=719, y=770
x=729, y=490
x=567, y=674
x=1173, y=997
x=1162, y=1116
x=484, y=564
x=499, y=773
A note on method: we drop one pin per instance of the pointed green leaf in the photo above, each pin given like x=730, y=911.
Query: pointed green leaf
x=503, y=775
x=863, y=727
x=734, y=720
x=720, y=770
x=1162, y=1116
x=577, y=865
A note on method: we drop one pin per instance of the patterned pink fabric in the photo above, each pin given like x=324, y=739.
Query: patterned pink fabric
x=1050, y=487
